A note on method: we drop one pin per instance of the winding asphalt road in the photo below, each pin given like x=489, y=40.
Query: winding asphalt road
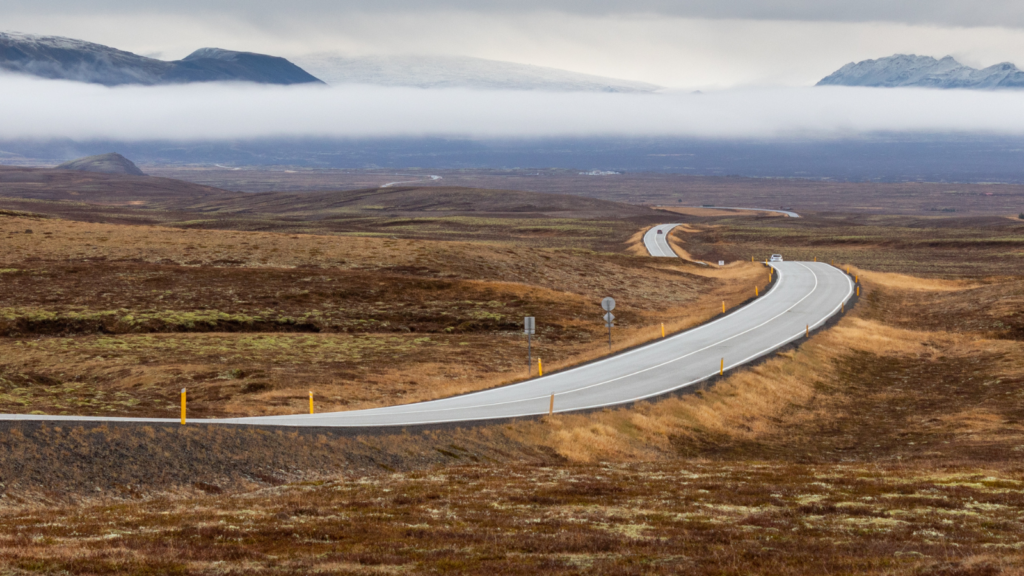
x=657, y=244
x=805, y=294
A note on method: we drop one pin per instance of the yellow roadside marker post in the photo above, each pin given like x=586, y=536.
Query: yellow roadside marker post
x=721, y=367
x=815, y=258
x=182, y=406
x=662, y=329
x=551, y=407
x=310, y=401
x=540, y=367
x=858, y=290
x=807, y=331
x=723, y=306
x=847, y=269
x=756, y=291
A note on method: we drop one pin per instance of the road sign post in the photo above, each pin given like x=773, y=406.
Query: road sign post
x=608, y=304
x=530, y=327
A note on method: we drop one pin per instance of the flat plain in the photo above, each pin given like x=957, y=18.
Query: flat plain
x=643, y=188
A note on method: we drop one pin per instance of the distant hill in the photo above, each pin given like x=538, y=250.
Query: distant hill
x=459, y=72
x=903, y=70
x=50, y=184
x=103, y=164
x=60, y=58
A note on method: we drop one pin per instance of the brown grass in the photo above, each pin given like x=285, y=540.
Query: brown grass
x=889, y=444
x=796, y=393
x=131, y=314
x=895, y=281
x=694, y=518
x=635, y=243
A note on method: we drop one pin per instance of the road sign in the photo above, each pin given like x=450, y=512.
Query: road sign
x=721, y=262
x=529, y=325
x=609, y=304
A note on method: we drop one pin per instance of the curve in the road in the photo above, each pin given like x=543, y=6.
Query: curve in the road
x=805, y=295
x=656, y=241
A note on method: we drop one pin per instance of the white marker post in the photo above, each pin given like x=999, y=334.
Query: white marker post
x=530, y=327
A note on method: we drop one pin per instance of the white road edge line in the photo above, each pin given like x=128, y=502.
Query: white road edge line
x=630, y=375
x=639, y=398
x=333, y=415
x=644, y=347
x=620, y=402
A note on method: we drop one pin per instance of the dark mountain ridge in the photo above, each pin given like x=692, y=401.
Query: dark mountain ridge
x=59, y=58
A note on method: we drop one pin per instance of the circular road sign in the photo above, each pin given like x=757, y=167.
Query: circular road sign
x=608, y=304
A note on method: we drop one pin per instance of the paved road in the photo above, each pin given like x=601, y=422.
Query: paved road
x=804, y=294
x=657, y=244
x=390, y=184
x=786, y=212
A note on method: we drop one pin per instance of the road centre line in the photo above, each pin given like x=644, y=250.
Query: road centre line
x=649, y=368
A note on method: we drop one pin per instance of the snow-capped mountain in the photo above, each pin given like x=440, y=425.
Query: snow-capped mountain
x=924, y=71
x=458, y=72
x=60, y=58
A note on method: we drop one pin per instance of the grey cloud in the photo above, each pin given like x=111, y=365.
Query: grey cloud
x=943, y=12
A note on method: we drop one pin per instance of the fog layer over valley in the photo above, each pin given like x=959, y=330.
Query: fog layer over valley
x=57, y=109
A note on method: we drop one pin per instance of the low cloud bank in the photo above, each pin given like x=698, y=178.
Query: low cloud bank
x=40, y=109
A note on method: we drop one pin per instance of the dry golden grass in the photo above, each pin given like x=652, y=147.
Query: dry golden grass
x=635, y=243
x=743, y=406
x=55, y=239
x=776, y=397
x=677, y=240
x=906, y=282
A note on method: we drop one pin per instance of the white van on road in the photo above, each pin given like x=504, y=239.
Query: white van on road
x=776, y=257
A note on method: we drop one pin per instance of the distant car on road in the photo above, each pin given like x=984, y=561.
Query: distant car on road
x=776, y=257
x=660, y=232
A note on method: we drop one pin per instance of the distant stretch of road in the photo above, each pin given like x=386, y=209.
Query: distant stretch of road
x=786, y=212
x=390, y=184
x=656, y=241
x=805, y=294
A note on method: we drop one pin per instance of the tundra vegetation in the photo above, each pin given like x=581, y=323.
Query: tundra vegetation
x=891, y=443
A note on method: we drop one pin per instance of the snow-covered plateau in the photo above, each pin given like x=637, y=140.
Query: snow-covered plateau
x=910, y=70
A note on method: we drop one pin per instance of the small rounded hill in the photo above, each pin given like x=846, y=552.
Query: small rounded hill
x=103, y=164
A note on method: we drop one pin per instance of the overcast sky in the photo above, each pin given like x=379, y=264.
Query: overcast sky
x=697, y=44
